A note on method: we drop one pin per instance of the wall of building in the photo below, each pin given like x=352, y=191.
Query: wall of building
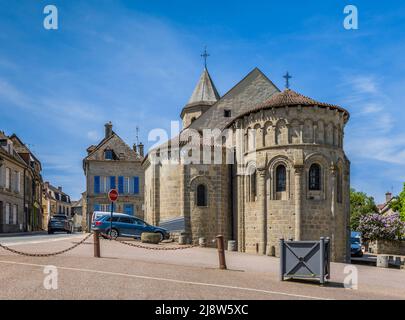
x=297, y=138
x=13, y=196
x=116, y=169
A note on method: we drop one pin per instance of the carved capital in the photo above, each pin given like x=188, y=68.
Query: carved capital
x=298, y=169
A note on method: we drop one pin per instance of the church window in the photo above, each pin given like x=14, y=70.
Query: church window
x=202, y=199
x=281, y=179
x=315, y=178
x=253, y=186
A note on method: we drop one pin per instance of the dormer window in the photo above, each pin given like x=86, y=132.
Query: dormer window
x=108, y=155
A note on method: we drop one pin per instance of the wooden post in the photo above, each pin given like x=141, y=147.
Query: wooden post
x=221, y=252
x=96, y=240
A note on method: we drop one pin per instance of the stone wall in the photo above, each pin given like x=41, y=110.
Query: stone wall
x=296, y=137
x=387, y=247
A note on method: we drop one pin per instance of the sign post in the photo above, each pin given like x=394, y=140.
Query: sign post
x=113, y=197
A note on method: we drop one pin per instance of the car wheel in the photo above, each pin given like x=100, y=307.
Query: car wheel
x=113, y=233
x=162, y=236
x=50, y=232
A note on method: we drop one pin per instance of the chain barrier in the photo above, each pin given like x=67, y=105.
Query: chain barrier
x=147, y=247
x=45, y=254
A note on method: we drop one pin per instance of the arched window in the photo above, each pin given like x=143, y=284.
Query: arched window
x=315, y=178
x=281, y=179
x=202, y=199
x=253, y=186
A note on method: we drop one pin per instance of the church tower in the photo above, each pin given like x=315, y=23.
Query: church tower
x=204, y=96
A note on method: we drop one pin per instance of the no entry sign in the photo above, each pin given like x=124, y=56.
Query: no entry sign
x=113, y=195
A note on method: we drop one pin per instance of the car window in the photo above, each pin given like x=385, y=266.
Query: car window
x=115, y=219
x=140, y=222
x=59, y=217
x=125, y=220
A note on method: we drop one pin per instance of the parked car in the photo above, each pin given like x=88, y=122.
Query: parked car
x=124, y=225
x=61, y=223
x=355, y=244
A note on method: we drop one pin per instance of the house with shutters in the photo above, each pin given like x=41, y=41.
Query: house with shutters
x=112, y=164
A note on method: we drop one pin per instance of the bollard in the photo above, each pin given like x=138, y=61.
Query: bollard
x=382, y=261
x=221, y=252
x=96, y=240
x=202, y=242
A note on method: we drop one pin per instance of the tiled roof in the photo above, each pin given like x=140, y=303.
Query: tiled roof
x=205, y=90
x=289, y=97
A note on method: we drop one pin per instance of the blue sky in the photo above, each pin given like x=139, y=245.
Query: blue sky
x=136, y=62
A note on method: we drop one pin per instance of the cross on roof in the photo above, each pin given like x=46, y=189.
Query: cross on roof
x=205, y=55
x=287, y=78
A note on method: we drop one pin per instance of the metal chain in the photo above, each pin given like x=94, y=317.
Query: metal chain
x=150, y=248
x=45, y=254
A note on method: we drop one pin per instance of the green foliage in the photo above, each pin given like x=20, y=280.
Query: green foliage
x=360, y=205
x=398, y=204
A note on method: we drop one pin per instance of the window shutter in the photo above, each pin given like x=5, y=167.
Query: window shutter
x=121, y=185
x=96, y=184
x=136, y=185
x=112, y=183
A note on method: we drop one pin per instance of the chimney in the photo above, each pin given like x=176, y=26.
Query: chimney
x=140, y=147
x=134, y=147
x=388, y=197
x=108, y=129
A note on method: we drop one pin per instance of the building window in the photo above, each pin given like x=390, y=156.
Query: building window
x=15, y=210
x=281, y=179
x=108, y=155
x=253, y=186
x=227, y=113
x=8, y=213
x=8, y=178
x=129, y=209
x=315, y=178
x=202, y=196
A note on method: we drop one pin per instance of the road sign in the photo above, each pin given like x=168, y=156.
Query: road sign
x=113, y=195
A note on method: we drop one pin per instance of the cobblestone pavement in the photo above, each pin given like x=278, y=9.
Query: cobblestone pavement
x=126, y=272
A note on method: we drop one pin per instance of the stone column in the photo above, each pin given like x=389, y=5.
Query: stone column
x=298, y=172
x=333, y=209
x=261, y=183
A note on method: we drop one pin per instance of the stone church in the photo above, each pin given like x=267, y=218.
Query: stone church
x=289, y=177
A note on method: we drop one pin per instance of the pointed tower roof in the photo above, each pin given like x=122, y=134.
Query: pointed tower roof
x=205, y=91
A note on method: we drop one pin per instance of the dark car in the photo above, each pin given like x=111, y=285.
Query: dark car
x=126, y=226
x=60, y=223
x=355, y=245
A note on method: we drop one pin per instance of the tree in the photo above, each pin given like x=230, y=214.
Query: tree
x=398, y=204
x=360, y=205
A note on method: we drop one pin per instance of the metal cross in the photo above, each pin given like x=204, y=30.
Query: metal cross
x=205, y=55
x=287, y=77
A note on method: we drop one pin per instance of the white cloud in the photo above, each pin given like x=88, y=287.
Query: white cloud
x=93, y=135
